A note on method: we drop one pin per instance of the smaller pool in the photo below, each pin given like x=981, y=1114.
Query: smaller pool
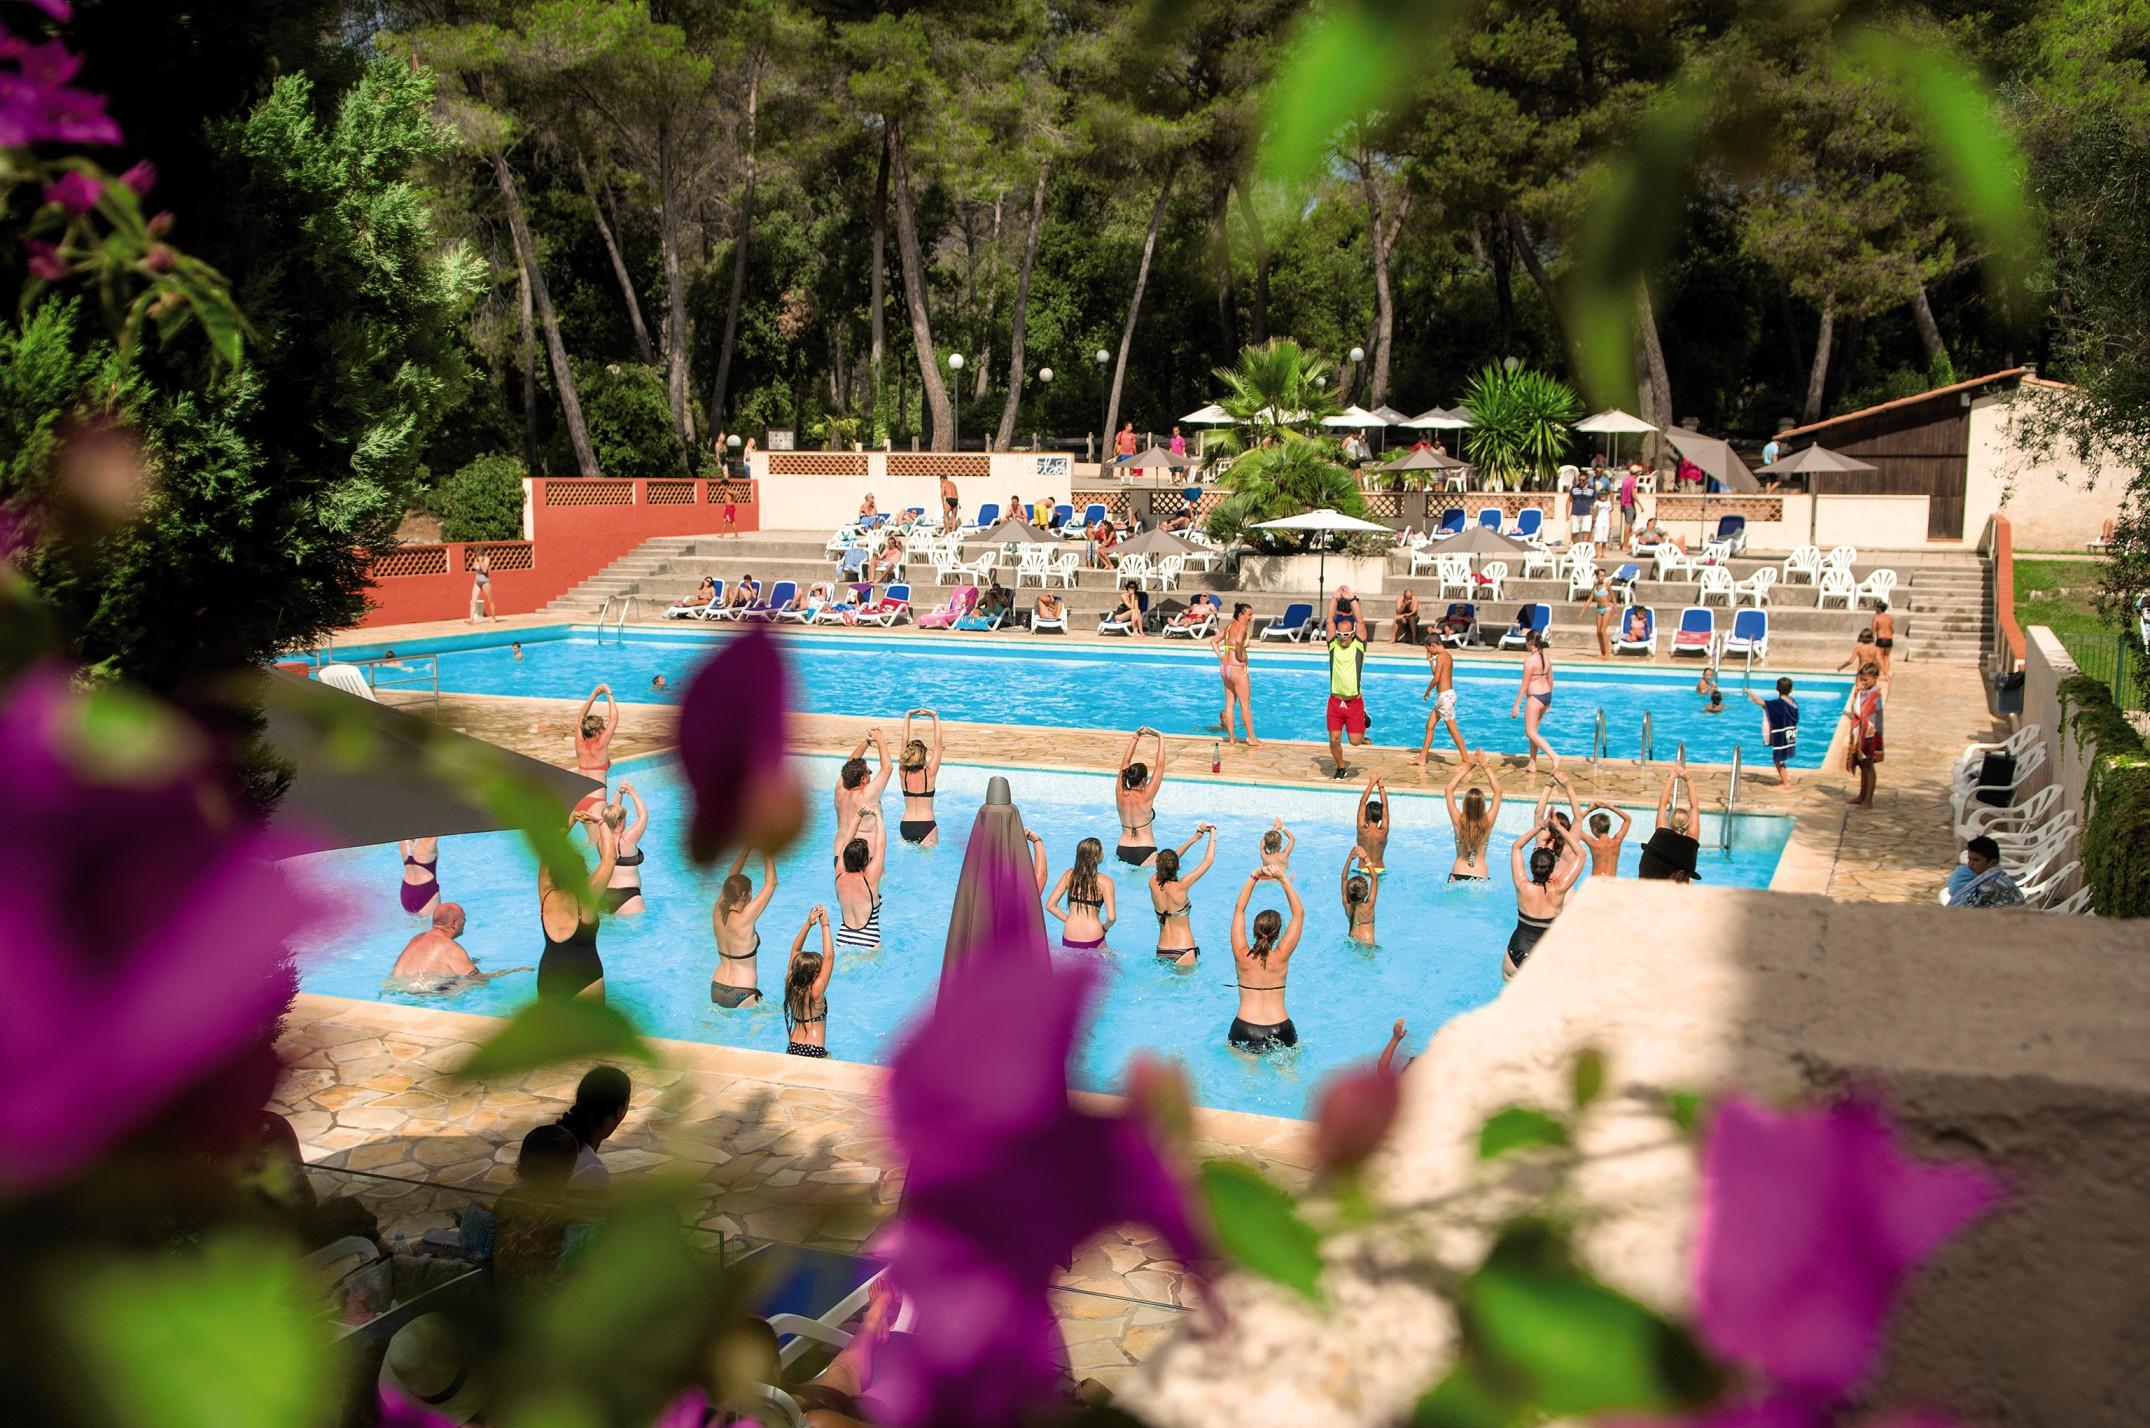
x=1439, y=953
x=1171, y=687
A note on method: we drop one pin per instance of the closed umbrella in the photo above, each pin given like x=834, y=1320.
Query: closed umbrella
x=996, y=911
x=1324, y=519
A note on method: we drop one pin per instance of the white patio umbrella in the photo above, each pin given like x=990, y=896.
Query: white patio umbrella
x=1354, y=417
x=1324, y=519
x=1441, y=419
x=1211, y=415
x=1614, y=422
x=1390, y=415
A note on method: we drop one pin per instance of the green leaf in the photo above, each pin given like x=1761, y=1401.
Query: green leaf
x=1465, y=1400
x=1568, y=1342
x=1343, y=66
x=556, y=1029
x=219, y=1339
x=1258, y=1225
x=1685, y=1108
x=1518, y=1127
x=1589, y=1076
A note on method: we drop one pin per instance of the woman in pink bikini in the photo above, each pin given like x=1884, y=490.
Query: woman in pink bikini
x=1536, y=691
x=1231, y=644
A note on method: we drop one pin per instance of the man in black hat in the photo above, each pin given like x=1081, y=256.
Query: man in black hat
x=1669, y=857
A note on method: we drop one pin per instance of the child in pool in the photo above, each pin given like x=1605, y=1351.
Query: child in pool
x=1276, y=849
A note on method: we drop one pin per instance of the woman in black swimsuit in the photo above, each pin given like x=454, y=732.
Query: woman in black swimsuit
x=806, y=990
x=1090, y=905
x=736, y=982
x=568, y=919
x=921, y=771
x=623, y=894
x=1171, y=895
x=1542, y=880
x=1262, y=966
x=1136, y=800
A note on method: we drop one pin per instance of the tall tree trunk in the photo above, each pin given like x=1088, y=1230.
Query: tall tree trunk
x=1656, y=380
x=1528, y=252
x=877, y=302
x=982, y=362
x=1818, y=375
x=1134, y=307
x=675, y=293
x=1261, y=264
x=720, y=388
x=1220, y=238
x=563, y=376
x=1798, y=369
x=1383, y=232
x=619, y=264
x=1922, y=313
x=1501, y=253
x=940, y=412
x=527, y=354
x=1009, y=409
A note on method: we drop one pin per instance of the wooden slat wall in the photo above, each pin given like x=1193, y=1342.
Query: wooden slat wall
x=1916, y=450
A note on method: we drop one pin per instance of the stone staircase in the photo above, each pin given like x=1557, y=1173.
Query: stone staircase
x=1948, y=611
x=636, y=573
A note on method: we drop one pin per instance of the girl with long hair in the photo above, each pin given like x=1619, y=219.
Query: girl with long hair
x=1542, y=880
x=1135, y=798
x=736, y=982
x=623, y=893
x=1472, y=817
x=1084, y=900
x=1360, y=889
x=1171, y=892
x=806, y=990
x=1536, y=691
x=1262, y=963
x=921, y=771
x=1238, y=676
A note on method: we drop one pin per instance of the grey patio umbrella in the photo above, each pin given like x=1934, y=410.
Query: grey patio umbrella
x=1324, y=519
x=1477, y=540
x=1154, y=541
x=996, y=911
x=1813, y=460
x=366, y=773
x=1156, y=458
x=1425, y=461
x=1013, y=530
x=1715, y=457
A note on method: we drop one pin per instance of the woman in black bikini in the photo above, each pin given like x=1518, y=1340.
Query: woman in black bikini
x=1262, y=967
x=1090, y=905
x=623, y=894
x=806, y=991
x=1136, y=800
x=1542, y=880
x=1472, y=819
x=1360, y=889
x=1171, y=896
x=921, y=771
x=736, y=982
x=568, y=919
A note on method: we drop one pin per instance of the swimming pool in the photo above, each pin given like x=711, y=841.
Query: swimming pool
x=1176, y=690
x=1439, y=953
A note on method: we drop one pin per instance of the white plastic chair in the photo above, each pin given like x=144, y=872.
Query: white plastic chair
x=1423, y=559
x=1166, y=572
x=1716, y=583
x=1453, y=574
x=2040, y=889
x=1581, y=553
x=1540, y=562
x=2075, y=904
x=2030, y=845
x=1835, y=584
x=350, y=679
x=1877, y=585
x=1964, y=800
x=1985, y=818
x=1716, y=552
x=1671, y=564
x=1063, y=569
x=1755, y=587
x=1030, y=564
x=979, y=572
x=1581, y=579
x=1493, y=578
x=1843, y=557
x=1135, y=567
x=1974, y=755
x=1803, y=564
x=948, y=568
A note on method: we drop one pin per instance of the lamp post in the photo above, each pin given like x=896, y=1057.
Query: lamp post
x=1104, y=417
x=1045, y=379
x=955, y=400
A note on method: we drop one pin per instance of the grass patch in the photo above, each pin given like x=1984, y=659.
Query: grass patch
x=2060, y=594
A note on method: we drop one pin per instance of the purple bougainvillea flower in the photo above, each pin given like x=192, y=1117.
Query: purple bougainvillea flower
x=141, y=177
x=1007, y=1179
x=731, y=748
x=1353, y=1114
x=75, y=191
x=1812, y=1221
x=37, y=105
x=43, y=260
x=146, y=939
x=59, y=10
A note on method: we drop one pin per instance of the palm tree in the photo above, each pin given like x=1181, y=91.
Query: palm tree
x=1522, y=422
x=1285, y=476
x=1277, y=388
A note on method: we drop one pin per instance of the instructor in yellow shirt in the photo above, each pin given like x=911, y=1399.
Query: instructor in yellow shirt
x=1347, y=668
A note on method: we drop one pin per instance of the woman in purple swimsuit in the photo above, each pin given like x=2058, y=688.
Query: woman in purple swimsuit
x=421, y=885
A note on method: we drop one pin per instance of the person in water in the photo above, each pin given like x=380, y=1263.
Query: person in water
x=1542, y=880
x=858, y=882
x=593, y=736
x=736, y=982
x=1472, y=817
x=1670, y=812
x=623, y=894
x=1372, y=826
x=858, y=786
x=1360, y=889
x=421, y=876
x=1277, y=844
x=1135, y=798
x=1604, y=844
x=1172, y=897
x=434, y=961
x=806, y=990
x=921, y=772
x=1566, y=820
x=1083, y=900
x=567, y=917
x=1262, y=963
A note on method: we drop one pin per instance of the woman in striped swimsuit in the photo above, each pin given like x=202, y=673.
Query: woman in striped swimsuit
x=806, y=990
x=858, y=883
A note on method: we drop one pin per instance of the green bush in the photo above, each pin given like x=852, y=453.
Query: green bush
x=2116, y=837
x=629, y=418
x=1523, y=420
x=483, y=501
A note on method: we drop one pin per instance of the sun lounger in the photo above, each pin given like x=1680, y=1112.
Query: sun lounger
x=1293, y=624
x=1201, y=627
x=945, y=615
x=1540, y=619
x=1647, y=645
x=891, y=609
x=842, y=612
x=1697, y=633
x=1750, y=634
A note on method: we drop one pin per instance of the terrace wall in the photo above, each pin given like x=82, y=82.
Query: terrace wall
x=573, y=527
x=820, y=490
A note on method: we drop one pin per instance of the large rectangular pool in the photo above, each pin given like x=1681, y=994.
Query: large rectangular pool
x=1439, y=952
x=1175, y=689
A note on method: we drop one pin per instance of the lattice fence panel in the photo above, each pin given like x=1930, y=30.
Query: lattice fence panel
x=577, y=491
x=817, y=463
x=411, y=560
x=504, y=554
x=937, y=464
x=734, y=493
x=668, y=493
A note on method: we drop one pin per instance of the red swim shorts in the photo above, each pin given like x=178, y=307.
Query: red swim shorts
x=1347, y=714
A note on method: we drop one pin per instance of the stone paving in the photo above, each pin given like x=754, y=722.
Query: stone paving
x=785, y=1150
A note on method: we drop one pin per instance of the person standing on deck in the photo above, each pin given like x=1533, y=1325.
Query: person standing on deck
x=1347, y=705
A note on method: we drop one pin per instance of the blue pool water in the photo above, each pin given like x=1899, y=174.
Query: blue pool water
x=1439, y=953
x=1123, y=687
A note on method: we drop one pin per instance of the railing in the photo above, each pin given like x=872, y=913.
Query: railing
x=1648, y=746
x=1597, y=737
x=1731, y=801
x=2006, y=655
x=428, y=679
x=627, y=603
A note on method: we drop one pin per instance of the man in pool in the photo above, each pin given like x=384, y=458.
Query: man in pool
x=434, y=961
x=1347, y=705
x=516, y=647
x=657, y=684
x=1780, y=728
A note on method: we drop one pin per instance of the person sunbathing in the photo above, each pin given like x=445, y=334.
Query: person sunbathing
x=1050, y=609
x=698, y=601
x=744, y=594
x=889, y=561
x=1638, y=625
x=1203, y=607
x=1129, y=610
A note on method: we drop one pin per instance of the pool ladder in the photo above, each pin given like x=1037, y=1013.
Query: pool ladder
x=619, y=626
x=1597, y=738
x=1731, y=802
x=1648, y=745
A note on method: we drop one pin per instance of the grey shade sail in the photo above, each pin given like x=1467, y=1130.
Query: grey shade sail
x=1012, y=530
x=366, y=773
x=1715, y=457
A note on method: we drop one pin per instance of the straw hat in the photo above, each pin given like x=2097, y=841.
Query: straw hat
x=426, y=1363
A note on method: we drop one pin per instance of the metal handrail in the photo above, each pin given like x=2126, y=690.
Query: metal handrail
x=1648, y=748
x=604, y=613
x=429, y=679
x=627, y=605
x=1597, y=737
x=1731, y=800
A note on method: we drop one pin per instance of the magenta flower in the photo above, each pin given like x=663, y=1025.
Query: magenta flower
x=1811, y=1224
x=141, y=177
x=36, y=104
x=146, y=938
x=59, y=10
x=731, y=748
x=1007, y=1180
x=43, y=260
x=75, y=191
x=1353, y=1115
